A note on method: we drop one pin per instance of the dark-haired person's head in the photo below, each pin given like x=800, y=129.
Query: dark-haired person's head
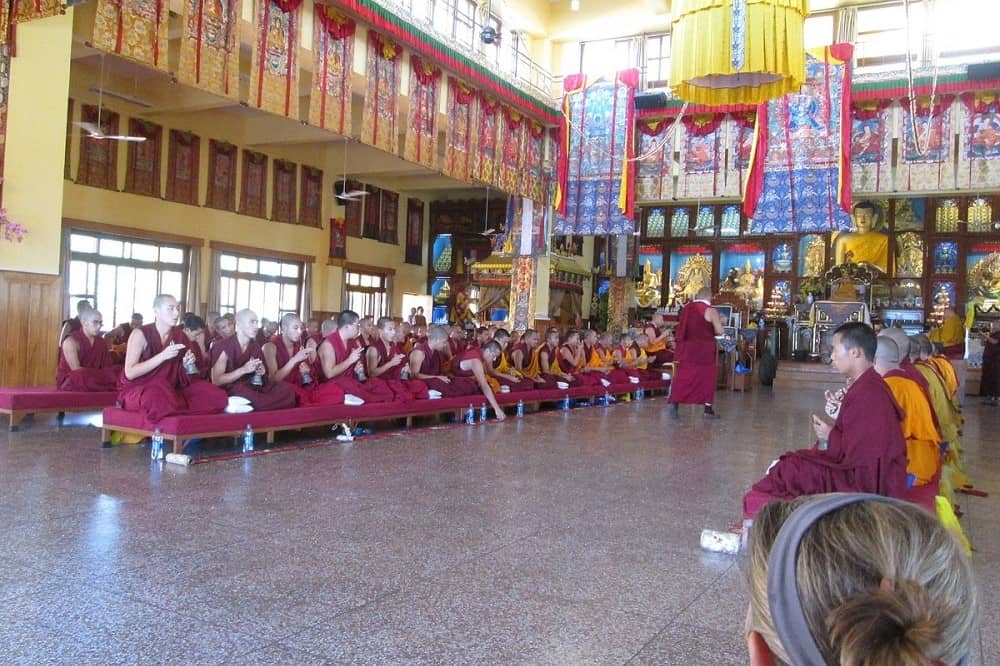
x=192, y=322
x=346, y=318
x=854, y=345
x=492, y=351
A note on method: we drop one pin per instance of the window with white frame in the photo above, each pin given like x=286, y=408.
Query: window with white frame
x=656, y=56
x=121, y=275
x=268, y=286
x=366, y=293
x=607, y=56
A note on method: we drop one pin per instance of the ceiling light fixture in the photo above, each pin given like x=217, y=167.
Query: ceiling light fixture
x=574, y=5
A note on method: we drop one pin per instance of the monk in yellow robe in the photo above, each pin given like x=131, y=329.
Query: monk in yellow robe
x=950, y=334
x=923, y=444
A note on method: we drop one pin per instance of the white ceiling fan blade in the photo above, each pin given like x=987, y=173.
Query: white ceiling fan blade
x=119, y=137
x=91, y=128
x=357, y=193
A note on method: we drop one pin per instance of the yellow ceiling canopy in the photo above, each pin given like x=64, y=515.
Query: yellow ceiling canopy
x=737, y=51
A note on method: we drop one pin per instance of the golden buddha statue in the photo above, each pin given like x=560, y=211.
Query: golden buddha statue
x=863, y=245
x=815, y=257
x=693, y=276
x=648, y=295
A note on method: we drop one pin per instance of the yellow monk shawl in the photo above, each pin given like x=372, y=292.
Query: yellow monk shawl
x=923, y=451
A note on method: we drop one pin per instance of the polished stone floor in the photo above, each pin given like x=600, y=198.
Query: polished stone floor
x=561, y=538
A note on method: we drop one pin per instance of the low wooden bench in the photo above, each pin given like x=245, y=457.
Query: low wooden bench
x=19, y=401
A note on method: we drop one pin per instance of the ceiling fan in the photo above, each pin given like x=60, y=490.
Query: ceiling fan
x=487, y=229
x=94, y=130
x=340, y=187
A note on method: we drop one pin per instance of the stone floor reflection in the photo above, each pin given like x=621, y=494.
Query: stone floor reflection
x=565, y=537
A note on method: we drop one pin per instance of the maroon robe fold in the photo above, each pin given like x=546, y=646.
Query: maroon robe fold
x=372, y=390
x=308, y=394
x=266, y=397
x=989, y=385
x=695, y=376
x=524, y=384
x=402, y=390
x=98, y=369
x=866, y=452
x=168, y=389
x=434, y=365
x=568, y=367
x=460, y=375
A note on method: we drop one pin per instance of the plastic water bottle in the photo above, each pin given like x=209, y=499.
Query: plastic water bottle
x=306, y=378
x=640, y=393
x=470, y=415
x=156, y=449
x=720, y=542
x=565, y=403
x=404, y=374
x=257, y=380
x=248, y=439
x=191, y=368
x=520, y=408
x=483, y=415
x=359, y=370
x=607, y=398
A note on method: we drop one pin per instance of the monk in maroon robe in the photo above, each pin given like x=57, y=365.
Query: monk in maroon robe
x=989, y=385
x=193, y=327
x=865, y=450
x=85, y=362
x=502, y=370
x=341, y=362
x=427, y=365
x=695, y=375
x=70, y=325
x=238, y=368
x=471, y=364
x=154, y=380
x=386, y=361
x=288, y=361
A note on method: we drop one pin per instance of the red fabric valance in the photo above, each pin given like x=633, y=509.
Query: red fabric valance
x=387, y=48
x=426, y=72
x=337, y=25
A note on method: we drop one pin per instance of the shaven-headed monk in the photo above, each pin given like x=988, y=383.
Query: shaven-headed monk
x=548, y=359
x=386, y=361
x=325, y=329
x=471, y=364
x=154, y=380
x=657, y=347
x=427, y=365
x=74, y=324
x=85, y=362
x=866, y=451
x=697, y=352
x=923, y=443
x=502, y=370
x=949, y=417
x=907, y=367
x=524, y=358
x=289, y=361
x=341, y=362
x=238, y=368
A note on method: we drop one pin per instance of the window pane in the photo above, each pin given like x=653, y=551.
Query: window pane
x=245, y=265
x=367, y=281
x=170, y=283
x=144, y=252
x=81, y=243
x=242, y=294
x=270, y=268
x=111, y=248
x=78, y=278
x=290, y=270
x=818, y=31
x=106, y=280
x=256, y=298
x=228, y=262
x=172, y=255
x=289, y=298
x=227, y=292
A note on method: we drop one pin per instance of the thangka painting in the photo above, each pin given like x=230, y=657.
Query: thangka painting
x=871, y=146
x=524, y=228
x=414, y=231
x=461, y=128
x=142, y=171
x=522, y=292
x=210, y=55
x=925, y=158
x=979, y=150
x=799, y=179
x=741, y=138
x=338, y=238
x=654, y=176
x=594, y=193
x=98, y=159
x=484, y=165
x=283, y=191
x=274, y=80
x=532, y=183
x=511, y=128
x=311, y=196
x=333, y=59
x=422, y=116
x=253, y=193
x=183, y=163
x=222, y=159
x=702, y=145
x=382, y=93
x=135, y=29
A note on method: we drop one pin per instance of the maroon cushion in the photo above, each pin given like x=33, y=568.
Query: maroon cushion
x=925, y=495
x=25, y=398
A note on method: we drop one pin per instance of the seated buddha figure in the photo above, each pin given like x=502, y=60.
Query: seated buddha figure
x=863, y=244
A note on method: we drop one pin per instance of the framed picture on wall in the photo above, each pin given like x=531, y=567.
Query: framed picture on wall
x=414, y=231
x=338, y=238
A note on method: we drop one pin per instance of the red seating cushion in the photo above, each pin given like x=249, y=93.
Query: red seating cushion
x=49, y=398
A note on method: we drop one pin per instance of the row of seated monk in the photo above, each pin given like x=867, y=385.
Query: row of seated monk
x=168, y=367
x=896, y=424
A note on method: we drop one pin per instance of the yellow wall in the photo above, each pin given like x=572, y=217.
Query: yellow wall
x=36, y=121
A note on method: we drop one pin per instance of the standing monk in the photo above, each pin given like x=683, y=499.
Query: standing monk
x=238, y=368
x=340, y=359
x=85, y=363
x=695, y=375
x=865, y=449
x=989, y=385
x=289, y=361
x=923, y=441
x=154, y=381
x=386, y=361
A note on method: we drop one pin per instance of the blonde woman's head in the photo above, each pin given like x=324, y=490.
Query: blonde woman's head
x=879, y=583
